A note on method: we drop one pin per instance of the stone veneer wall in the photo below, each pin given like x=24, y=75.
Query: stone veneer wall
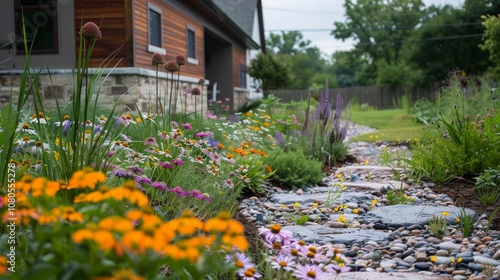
x=129, y=88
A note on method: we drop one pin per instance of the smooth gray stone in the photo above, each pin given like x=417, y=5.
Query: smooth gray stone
x=410, y=214
x=323, y=234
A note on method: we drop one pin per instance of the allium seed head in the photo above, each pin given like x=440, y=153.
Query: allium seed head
x=201, y=81
x=157, y=59
x=195, y=91
x=172, y=66
x=90, y=31
x=180, y=59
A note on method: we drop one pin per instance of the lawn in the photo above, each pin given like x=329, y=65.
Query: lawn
x=392, y=125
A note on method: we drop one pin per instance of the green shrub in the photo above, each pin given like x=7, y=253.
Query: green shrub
x=461, y=139
x=398, y=197
x=488, y=186
x=295, y=170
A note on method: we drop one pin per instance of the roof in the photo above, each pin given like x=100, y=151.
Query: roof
x=237, y=14
x=242, y=12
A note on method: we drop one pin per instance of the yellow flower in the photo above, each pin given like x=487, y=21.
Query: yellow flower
x=374, y=201
x=355, y=211
x=296, y=205
x=315, y=204
x=433, y=258
x=138, y=120
x=86, y=178
x=283, y=206
x=367, y=162
x=457, y=220
x=446, y=214
x=336, y=209
x=341, y=218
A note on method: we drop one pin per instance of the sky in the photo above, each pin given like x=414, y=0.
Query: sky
x=315, y=18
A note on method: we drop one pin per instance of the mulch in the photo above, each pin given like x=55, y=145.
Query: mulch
x=463, y=194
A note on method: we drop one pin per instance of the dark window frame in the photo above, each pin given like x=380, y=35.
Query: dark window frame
x=157, y=11
x=191, y=42
x=42, y=11
x=243, y=76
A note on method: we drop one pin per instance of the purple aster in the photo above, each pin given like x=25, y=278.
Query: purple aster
x=282, y=261
x=206, y=197
x=165, y=164
x=336, y=269
x=177, y=161
x=120, y=173
x=135, y=169
x=159, y=185
x=308, y=272
x=195, y=193
x=279, y=138
x=202, y=134
x=174, y=124
x=142, y=180
x=178, y=191
x=150, y=141
x=275, y=233
x=187, y=126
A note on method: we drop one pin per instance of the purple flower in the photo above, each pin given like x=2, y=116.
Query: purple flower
x=308, y=272
x=142, y=180
x=150, y=141
x=241, y=261
x=336, y=269
x=279, y=138
x=202, y=135
x=135, y=169
x=187, y=126
x=177, y=161
x=178, y=191
x=159, y=185
x=282, y=261
x=120, y=173
x=228, y=183
x=174, y=124
x=275, y=234
x=165, y=164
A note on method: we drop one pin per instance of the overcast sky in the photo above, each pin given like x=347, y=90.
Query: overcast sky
x=315, y=18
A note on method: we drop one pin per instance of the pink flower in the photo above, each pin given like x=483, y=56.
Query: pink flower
x=187, y=126
x=309, y=272
x=172, y=66
x=157, y=59
x=90, y=31
x=275, y=234
x=285, y=262
x=180, y=59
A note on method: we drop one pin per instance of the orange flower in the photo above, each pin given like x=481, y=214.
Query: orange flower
x=120, y=275
x=129, y=192
x=103, y=238
x=138, y=241
x=220, y=146
x=85, y=178
x=22, y=214
x=68, y=213
x=3, y=265
x=268, y=168
x=116, y=223
x=182, y=250
x=186, y=224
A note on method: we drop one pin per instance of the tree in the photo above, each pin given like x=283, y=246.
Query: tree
x=270, y=71
x=491, y=37
x=381, y=28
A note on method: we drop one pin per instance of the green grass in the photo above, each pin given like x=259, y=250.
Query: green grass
x=392, y=125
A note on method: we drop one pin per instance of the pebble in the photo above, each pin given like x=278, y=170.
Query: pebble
x=404, y=247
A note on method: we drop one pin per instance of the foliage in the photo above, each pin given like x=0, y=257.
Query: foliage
x=466, y=222
x=293, y=169
x=491, y=37
x=462, y=136
x=270, y=71
x=438, y=225
x=488, y=186
x=324, y=130
x=398, y=196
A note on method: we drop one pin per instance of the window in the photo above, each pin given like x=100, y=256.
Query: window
x=191, y=45
x=40, y=25
x=154, y=26
x=243, y=75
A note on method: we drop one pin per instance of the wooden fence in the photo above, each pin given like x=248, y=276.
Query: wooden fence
x=373, y=96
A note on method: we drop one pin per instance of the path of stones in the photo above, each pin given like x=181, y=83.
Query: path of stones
x=384, y=241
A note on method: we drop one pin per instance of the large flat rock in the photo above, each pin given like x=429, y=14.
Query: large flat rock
x=323, y=234
x=385, y=276
x=322, y=195
x=409, y=214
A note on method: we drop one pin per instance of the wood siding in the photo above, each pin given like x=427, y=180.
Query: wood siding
x=174, y=37
x=113, y=17
x=239, y=58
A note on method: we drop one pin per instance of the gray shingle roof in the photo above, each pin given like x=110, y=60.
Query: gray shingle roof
x=242, y=12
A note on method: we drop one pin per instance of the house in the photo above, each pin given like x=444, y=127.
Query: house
x=218, y=38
